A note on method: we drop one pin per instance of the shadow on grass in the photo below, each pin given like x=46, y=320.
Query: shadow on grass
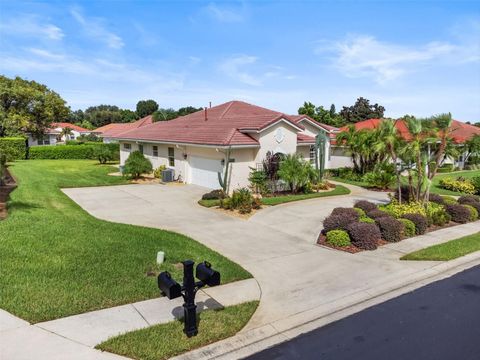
x=22, y=205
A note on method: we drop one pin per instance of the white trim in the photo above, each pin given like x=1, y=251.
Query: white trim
x=255, y=131
x=316, y=124
x=185, y=143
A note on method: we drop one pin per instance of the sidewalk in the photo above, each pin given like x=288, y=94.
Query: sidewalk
x=75, y=336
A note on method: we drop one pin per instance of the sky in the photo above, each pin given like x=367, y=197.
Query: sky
x=413, y=57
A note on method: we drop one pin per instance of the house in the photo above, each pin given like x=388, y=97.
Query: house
x=53, y=135
x=460, y=132
x=196, y=145
x=109, y=131
x=49, y=137
x=76, y=130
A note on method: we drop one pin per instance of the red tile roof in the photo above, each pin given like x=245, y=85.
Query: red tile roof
x=113, y=129
x=222, y=125
x=460, y=132
x=305, y=139
x=64, y=125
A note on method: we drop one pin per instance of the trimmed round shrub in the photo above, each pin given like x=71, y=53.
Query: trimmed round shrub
x=135, y=165
x=377, y=213
x=449, y=200
x=338, y=222
x=342, y=211
x=364, y=236
x=408, y=227
x=214, y=195
x=475, y=205
x=366, y=219
x=360, y=212
x=390, y=228
x=436, y=214
x=459, y=213
x=473, y=212
x=436, y=199
x=467, y=199
x=420, y=222
x=338, y=238
x=365, y=205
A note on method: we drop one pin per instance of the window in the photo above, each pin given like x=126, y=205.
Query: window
x=43, y=140
x=127, y=146
x=312, y=154
x=155, y=151
x=171, y=156
x=140, y=148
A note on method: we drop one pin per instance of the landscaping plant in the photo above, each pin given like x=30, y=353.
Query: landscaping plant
x=473, y=212
x=377, y=213
x=338, y=238
x=365, y=205
x=363, y=235
x=390, y=228
x=258, y=181
x=408, y=227
x=136, y=165
x=214, y=195
x=347, y=212
x=338, y=222
x=458, y=185
x=157, y=173
x=459, y=213
x=420, y=221
x=296, y=172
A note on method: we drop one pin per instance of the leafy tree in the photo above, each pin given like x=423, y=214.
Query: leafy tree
x=104, y=154
x=164, y=114
x=101, y=115
x=85, y=124
x=136, y=165
x=333, y=111
x=296, y=171
x=320, y=114
x=27, y=106
x=187, y=110
x=128, y=115
x=472, y=147
x=146, y=107
x=66, y=132
x=361, y=110
x=76, y=116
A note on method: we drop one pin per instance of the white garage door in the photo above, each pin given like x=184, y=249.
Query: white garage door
x=205, y=172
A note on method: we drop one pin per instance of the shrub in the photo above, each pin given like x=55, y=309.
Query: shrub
x=214, y=195
x=258, y=181
x=449, y=200
x=366, y=219
x=103, y=154
x=377, y=213
x=458, y=185
x=383, y=177
x=296, y=172
x=397, y=210
x=405, y=194
x=346, y=173
x=436, y=214
x=436, y=199
x=364, y=236
x=420, y=222
x=157, y=173
x=360, y=212
x=338, y=238
x=475, y=205
x=459, y=213
x=342, y=211
x=365, y=205
x=467, y=199
x=408, y=227
x=338, y=222
x=62, y=152
x=136, y=164
x=476, y=183
x=14, y=148
x=390, y=228
x=473, y=212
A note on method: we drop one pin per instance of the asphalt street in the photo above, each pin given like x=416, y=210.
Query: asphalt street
x=440, y=321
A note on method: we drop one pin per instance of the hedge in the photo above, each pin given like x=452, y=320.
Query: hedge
x=69, y=151
x=14, y=148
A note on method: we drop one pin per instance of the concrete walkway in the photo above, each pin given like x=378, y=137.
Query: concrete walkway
x=75, y=336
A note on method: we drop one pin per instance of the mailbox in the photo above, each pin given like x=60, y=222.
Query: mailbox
x=206, y=274
x=168, y=286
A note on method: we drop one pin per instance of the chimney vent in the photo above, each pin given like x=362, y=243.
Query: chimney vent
x=209, y=104
x=206, y=116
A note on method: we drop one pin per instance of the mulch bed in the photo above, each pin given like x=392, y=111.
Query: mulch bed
x=5, y=192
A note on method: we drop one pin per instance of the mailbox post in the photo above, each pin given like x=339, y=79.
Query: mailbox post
x=206, y=276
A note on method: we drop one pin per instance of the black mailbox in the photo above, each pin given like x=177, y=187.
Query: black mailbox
x=206, y=274
x=168, y=286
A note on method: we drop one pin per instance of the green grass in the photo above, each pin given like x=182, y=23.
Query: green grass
x=351, y=182
x=436, y=189
x=166, y=340
x=57, y=260
x=277, y=200
x=447, y=251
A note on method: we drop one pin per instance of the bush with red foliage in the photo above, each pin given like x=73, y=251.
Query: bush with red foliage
x=365, y=205
x=377, y=214
x=338, y=222
x=459, y=213
x=364, y=236
x=342, y=211
x=420, y=221
x=390, y=228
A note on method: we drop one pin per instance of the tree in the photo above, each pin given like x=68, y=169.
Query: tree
x=76, y=116
x=128, y=115
x=472, y=147
x=146, y=107
x=296, y=171
x=66, y=132
x=320, y=114
x=101, y=115
x=187, y=110
x=27, y=106
x=333, y=111
x=136, y=165
x=362, y=110
x=164, y=114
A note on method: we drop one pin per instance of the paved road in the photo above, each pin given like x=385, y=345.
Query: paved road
x=440, y=321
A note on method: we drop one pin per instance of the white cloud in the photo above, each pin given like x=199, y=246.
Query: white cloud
x=234, y=67
x=224, y=14
x=365, y=56
x=31, y=25
x=95, y=28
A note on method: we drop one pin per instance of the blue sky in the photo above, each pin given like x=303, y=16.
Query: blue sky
x=415, y=57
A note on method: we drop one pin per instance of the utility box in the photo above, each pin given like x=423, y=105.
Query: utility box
x=168, y=175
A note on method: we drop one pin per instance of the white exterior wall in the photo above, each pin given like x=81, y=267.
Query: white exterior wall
x=34, y=142
x=269, y=141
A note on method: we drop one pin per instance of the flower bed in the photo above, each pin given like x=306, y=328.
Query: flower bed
x=367, y=225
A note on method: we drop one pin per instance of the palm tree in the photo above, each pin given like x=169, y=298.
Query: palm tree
x=66, y=132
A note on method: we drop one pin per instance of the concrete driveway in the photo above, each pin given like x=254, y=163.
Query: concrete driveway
x=277, y=245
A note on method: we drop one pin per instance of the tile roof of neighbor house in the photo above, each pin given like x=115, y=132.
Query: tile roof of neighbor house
x=64, y=125
x=460, y=132
x=305, y=139
x=113, y=129
x=223, y=125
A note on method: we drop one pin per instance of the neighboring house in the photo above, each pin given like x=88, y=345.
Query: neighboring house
x=459, y=133
x=76, y=130
x=49, y=138
x=195, y=145
x=109, y=131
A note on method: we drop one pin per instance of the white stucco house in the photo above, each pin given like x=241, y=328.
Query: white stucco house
x=53, y=135
x=195, y=145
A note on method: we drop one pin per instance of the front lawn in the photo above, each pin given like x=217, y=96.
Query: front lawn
x=447, y=251
x=166, y=340
x=57, y=260
x=467, y=174
x=281, y=199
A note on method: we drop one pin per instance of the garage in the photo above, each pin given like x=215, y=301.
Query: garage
x=204, y=172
